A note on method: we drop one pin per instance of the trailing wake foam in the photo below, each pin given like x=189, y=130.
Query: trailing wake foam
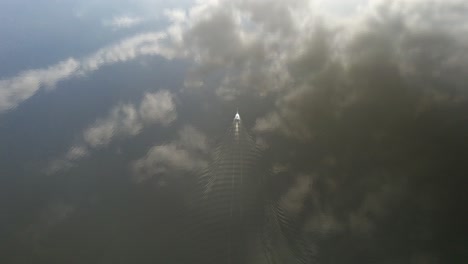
x=233, y=220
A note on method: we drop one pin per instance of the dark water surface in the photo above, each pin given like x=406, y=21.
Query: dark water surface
x=120, y=143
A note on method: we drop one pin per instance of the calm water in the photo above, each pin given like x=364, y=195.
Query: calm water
x=233, y=131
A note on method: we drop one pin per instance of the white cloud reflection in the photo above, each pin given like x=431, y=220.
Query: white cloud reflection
x=125, y=21
x=15, y=90
x=19, y=88
x=123, y=121
x=187, y=153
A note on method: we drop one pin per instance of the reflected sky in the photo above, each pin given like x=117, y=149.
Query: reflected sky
x=111, y=110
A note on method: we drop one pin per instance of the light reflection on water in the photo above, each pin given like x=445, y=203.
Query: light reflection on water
x=352, y=145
